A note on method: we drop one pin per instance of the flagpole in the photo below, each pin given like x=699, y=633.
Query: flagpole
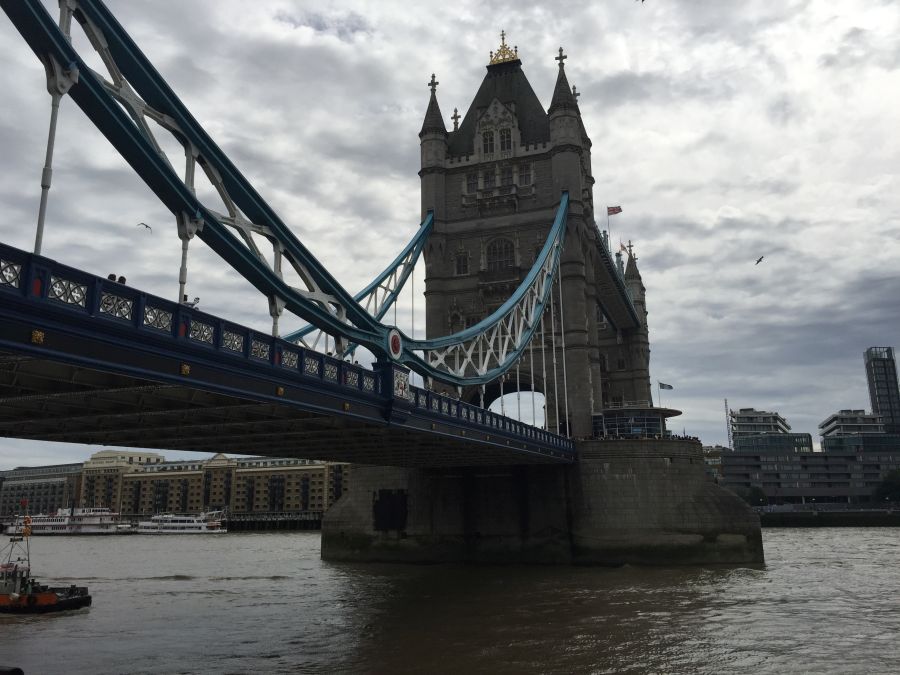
x=659, y=393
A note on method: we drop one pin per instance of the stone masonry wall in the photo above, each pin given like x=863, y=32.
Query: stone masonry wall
x=647, y=501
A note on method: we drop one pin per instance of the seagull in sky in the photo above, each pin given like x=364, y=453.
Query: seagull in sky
x=144, y=225
x=759, y=259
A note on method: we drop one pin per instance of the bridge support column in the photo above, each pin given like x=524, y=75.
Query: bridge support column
x=640, y=501
x=648, y=501
x=491, y=515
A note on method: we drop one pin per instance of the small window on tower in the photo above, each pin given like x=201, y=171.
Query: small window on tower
x=489, y=179
x=500, y=255
x=487, y=142
x=472, y=183
x=525, y=174
x=506, y=175
x=505, y=140
x=462, y=264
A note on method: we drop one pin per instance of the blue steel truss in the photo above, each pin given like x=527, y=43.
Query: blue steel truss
x=474, y=356
x=383, y=291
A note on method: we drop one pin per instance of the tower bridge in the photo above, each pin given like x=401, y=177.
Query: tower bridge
x=522, y=294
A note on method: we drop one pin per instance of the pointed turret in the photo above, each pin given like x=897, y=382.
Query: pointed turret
x=433, y=145
x=563, y=98
x=434, y=120
x=631, y=269
x=566, y=138
x=640, y=339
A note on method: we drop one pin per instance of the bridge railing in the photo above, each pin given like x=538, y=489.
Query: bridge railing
x=124, y=310
x=433, y=404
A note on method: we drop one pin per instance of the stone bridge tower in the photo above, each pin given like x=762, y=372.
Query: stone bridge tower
x=494, y=183
x=633, y=495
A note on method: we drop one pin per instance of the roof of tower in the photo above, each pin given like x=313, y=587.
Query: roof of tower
x=631, y=269
x=506, y=82
x=563, y=98
x=434, y=121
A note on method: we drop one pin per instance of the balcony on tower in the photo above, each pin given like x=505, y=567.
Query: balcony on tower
x=632, y=420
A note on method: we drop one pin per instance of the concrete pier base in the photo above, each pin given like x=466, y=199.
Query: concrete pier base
x=638, y=501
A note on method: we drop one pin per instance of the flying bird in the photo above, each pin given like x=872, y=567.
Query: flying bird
x=759, y=260
x=144, y=225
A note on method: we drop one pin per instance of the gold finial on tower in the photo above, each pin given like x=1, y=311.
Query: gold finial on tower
x=504, y=53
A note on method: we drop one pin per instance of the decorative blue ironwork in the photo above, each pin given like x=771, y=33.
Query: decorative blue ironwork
x=69, y=292
x=259, y=349
x=157, y=318
x=289, y=359
x=233, y=341
x=201, y=332
x=10, y=273
x=115, y=306
x=312, y=366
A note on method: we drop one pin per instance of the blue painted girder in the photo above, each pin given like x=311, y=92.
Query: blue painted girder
x=47, y=41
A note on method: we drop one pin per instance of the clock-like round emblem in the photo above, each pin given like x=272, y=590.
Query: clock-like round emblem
x=395, y=344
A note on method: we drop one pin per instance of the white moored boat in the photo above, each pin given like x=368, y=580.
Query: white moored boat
x=173, y=523
x=76, y=521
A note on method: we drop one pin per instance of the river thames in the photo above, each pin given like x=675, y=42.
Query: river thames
x=825, y=602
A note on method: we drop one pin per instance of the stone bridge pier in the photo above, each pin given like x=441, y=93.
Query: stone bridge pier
x=625, y=501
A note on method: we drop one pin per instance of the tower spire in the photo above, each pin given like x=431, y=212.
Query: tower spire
x=563, y=97
x=434, y=120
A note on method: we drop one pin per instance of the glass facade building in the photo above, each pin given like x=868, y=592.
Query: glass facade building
x=884, y=392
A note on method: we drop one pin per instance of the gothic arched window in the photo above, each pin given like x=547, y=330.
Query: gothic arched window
x=525, y=174
x=462, y=263
x=487, y=142
x=500, y=255
x=505, y=140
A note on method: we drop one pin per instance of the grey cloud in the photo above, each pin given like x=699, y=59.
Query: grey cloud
x=628, y=87
x=344, y=26
x=784, y=109
x=859, y=47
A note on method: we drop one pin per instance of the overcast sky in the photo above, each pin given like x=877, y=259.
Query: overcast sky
x=726, y=131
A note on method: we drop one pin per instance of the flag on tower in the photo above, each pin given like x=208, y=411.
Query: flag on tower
x=613, y=210
x=663, y=385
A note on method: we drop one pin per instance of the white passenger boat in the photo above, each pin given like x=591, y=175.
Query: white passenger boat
x=211, y=522
x=76, y=521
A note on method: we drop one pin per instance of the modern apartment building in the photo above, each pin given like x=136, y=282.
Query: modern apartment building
x=884, y=392
x=44, y=488
x=812, y=477
x=749, y=421
x=850, y=423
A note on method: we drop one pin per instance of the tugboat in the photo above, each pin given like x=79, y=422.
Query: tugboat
x=20, y=593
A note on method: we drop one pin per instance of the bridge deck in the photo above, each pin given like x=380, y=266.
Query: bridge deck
x=53, y=401
x=86, y=360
